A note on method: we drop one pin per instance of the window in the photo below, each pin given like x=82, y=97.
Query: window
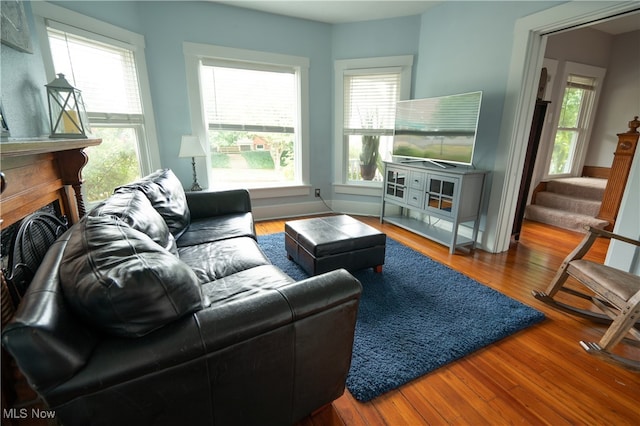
x=251, y=116
x=574, y=121
x=106, y=70
x=366, y=94
x=252, y=108
x=369, y=114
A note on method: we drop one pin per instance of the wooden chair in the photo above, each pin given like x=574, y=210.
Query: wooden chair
x=617, y=295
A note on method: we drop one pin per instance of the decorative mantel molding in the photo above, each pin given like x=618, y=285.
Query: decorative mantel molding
x=38, y=172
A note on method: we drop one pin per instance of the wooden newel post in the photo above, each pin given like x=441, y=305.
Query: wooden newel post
x=622, y=160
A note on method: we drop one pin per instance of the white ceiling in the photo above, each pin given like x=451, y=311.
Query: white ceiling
x=624, y=24
x=341, y=11
x=337, y=11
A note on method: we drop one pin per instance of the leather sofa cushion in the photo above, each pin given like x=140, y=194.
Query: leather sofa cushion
x=217, y=228
x=122, y=282
x=167, y=196
x=212, y=261
x=135, y=209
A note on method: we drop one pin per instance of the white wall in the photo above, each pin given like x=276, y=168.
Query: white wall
x=620, y=100
x=621, y=255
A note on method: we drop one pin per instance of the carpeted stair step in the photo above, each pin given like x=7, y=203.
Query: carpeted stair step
x=562, y=218
x=568, y=203
x=590, y=188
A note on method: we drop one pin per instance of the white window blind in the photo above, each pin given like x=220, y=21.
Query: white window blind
x=580, y=82
x=254, y=100
x=370, y=103
x=106, y=74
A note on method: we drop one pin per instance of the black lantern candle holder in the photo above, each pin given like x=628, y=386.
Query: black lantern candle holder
x=67, y=114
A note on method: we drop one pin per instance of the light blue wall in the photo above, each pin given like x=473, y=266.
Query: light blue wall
x=203, y=22
x=167, y=24
x=385, y=37
x=23, y=96
x=457, y=47
x=124, y=14
x=464, y=47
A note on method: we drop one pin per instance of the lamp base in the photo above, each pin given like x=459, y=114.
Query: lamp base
x=196, y=185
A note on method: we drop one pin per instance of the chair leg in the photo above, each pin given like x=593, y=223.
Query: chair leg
x=626, y=319
x=558, y=281
x=619, y=328
x=595, y=350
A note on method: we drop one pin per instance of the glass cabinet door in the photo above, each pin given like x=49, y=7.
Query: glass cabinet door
x=440, y=194
x=395, y=185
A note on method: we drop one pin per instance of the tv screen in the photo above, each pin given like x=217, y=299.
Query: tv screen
x=441, y=129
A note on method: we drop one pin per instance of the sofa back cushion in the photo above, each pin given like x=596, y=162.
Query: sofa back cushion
x=165, y=192
x=122, y=282
x=135, y=209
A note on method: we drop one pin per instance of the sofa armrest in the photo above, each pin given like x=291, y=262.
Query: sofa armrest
x=267, y=310
x=321, y=292
x=217, y=203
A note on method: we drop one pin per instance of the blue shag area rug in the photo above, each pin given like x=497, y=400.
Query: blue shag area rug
x=416, y=316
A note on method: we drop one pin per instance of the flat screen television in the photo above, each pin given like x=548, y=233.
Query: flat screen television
x=439, y=130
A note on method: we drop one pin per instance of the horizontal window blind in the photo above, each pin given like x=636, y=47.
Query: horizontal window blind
x=370, y=103
x=579, y=82
x=242, y=99
x=106, y=74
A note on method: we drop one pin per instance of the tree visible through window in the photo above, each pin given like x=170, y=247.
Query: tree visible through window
x=577, y=99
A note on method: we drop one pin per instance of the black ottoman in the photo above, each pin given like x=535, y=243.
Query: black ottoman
x=324, y=244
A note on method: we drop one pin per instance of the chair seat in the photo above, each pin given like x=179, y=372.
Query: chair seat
x=613, y=284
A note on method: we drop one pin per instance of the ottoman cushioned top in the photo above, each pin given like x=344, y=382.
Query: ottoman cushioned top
x=334, y=234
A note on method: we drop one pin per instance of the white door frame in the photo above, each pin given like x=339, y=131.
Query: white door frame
x=526, y=60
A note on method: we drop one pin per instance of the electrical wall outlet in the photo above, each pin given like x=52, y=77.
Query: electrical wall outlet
x=317, y=192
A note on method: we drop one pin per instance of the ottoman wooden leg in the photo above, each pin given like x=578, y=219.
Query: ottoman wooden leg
x=377, y=269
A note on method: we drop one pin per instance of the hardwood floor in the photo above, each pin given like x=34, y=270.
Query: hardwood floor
x=538, y=376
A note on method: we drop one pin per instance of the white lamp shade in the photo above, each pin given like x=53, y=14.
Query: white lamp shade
x=191, y=147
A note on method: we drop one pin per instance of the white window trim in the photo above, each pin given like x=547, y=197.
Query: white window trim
x=583, y=144
x=149, y=150
x=343, y=67
x=194, y=53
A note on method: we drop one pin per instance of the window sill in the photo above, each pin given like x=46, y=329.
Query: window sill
x=280, y=191
x=372, y=189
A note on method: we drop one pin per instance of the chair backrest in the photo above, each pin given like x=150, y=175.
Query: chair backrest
x=37, y=232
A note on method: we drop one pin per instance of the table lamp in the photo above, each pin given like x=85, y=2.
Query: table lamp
x=191, y=147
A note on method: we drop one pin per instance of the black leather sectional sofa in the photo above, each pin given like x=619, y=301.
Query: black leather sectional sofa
x=159, y=308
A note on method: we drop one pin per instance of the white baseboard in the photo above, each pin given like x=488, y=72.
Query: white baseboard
x=281, y=211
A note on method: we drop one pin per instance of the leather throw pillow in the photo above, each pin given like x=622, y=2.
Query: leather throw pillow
x=122, y=282
x=136, y=210
x=167, y=196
